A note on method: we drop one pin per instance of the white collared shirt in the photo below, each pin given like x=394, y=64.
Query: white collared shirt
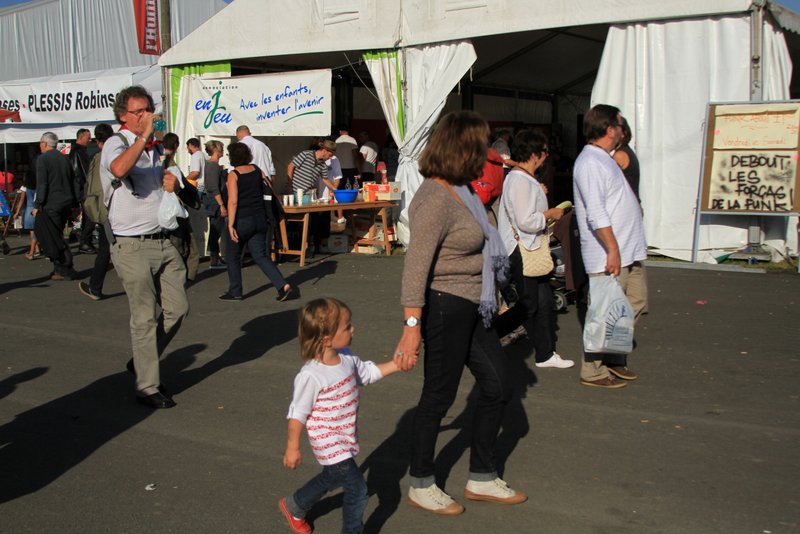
x=134, y=205
x=604, y=199
x=262, y=156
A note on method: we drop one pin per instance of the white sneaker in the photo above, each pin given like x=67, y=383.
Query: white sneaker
x=556, y=361
x=434, y=500
x=494, y=491
x=341, y=220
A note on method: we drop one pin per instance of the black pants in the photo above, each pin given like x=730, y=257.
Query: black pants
x=534, y=310
x=454, y=338
x=87, y=229
x=101, y=263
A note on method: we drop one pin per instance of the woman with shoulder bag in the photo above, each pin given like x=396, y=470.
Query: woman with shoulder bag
x=522, y=223
x=247, y=225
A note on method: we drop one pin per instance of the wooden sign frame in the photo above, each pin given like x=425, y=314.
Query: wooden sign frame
x=750, y=161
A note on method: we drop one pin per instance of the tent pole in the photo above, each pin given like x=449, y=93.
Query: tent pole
x=756, y=95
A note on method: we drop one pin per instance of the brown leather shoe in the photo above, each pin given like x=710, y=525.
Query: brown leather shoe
x=623, y=372
x=607, y=383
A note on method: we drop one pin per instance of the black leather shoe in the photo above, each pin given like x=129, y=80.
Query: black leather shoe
x=156, y=401
x=229, y=297
x=87, y=249
x=289, y=294
x=161, y=388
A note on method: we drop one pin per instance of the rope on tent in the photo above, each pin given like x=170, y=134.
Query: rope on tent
x=350, y=63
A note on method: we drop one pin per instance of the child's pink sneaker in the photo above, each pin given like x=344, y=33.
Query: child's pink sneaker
x=300, y=526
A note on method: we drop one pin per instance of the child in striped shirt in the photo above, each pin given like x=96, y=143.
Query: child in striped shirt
x=325, y=401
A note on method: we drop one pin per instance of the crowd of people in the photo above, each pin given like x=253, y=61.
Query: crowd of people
x=475, y=222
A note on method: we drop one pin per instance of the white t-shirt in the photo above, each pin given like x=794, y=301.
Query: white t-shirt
x=604, y=199
x=334, y=173
x=134, y=209
x=262, y=156
x=325, y=400
x=369, y=151
x=197, y=162
x=344, y=151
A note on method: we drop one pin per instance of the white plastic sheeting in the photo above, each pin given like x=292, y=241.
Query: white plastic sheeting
x=662, y=76
x=429, y=73
x=254, y=28
x=49, y=37
x=66, y=122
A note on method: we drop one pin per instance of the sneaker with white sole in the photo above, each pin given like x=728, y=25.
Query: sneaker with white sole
x=556, y=361
x=434, y=500
x=493, y=491
x=341, y=220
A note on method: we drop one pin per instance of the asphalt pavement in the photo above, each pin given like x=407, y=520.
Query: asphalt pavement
x=707, y=440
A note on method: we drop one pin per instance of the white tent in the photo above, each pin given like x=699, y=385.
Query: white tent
x=78, y=46
x=52, y=37
x=651, y=58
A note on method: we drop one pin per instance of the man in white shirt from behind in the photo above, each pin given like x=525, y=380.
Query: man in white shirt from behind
x=197, y=164
x=262, y=156
x=612, y=234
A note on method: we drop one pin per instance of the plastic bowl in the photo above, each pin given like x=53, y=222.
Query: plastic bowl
x=345, y=196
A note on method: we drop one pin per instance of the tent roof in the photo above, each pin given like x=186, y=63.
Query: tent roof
x=249, y=29
x=51, y=37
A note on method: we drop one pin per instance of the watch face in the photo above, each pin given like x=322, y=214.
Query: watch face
x=411, y=321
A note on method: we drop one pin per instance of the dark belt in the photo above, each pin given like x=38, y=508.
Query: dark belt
x=157, y=236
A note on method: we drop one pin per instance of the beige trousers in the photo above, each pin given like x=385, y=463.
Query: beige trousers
x=145, y=266
x=633, y=280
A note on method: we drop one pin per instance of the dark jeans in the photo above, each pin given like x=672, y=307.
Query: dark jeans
x=252, y=230
x=87, y=229
x=345, y=475
x=534, y=310
x=101, y=263
x=455, y=337
x=217, y=228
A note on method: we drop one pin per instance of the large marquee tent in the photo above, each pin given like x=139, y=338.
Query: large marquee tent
x=78, y=48
x=660, y=61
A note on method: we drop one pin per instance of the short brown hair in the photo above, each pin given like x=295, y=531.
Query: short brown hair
x=239, y=154
x=598, y=119
x=134, y=91
x=456, y=151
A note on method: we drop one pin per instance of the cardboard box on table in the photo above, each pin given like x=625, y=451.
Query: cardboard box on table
x=375, y=191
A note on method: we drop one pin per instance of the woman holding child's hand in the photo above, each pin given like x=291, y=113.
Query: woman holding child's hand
x=453, y=262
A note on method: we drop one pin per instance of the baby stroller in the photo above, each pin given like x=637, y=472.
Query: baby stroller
x=562, y=297
x=568, y=274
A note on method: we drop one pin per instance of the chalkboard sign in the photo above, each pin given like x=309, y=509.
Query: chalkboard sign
x=751, y=159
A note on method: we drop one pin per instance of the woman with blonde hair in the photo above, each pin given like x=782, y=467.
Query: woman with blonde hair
x=454, y=262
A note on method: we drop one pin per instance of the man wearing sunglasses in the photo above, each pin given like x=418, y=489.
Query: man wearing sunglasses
x=612, y=234
x=150, y=267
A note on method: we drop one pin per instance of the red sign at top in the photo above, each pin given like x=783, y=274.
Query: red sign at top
x=146, y=14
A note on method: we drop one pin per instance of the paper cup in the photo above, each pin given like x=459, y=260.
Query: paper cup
x=291, y=200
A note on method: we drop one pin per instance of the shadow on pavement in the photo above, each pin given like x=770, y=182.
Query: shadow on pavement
x=43, y=443
x=8, y=385
x=259, y=336
x=33, y=282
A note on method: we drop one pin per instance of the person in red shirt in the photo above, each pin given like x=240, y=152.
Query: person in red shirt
x=489, y=184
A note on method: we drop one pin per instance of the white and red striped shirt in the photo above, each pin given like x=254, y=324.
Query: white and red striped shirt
x=326, y=400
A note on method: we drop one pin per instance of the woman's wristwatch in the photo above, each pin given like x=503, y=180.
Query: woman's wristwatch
x=411, y=322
